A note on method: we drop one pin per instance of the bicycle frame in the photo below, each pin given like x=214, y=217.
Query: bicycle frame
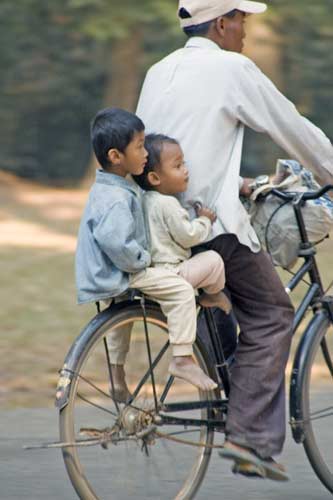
x=314, y=298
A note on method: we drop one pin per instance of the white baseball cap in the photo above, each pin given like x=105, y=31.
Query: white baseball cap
x=202, y=11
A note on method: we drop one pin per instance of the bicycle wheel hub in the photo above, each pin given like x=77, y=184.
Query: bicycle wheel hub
x=136, y=419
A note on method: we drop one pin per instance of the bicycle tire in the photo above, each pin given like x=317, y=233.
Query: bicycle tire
x=73, y=461
x=314, y=407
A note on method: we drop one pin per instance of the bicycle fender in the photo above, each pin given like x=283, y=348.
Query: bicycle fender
x=67, y=373
x=298, y=374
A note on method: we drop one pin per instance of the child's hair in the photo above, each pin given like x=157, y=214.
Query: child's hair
x=154, y=145
x=113, y=128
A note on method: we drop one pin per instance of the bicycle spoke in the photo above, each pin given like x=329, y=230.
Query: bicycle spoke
x=319, y=414
x=91, y=384
x=167, y=388
x=110, y=371
x=147, y=374
x=95, y=405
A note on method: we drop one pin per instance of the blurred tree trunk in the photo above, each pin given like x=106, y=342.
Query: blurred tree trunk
x=123, y=78
x=263, y=46
x=122, y=87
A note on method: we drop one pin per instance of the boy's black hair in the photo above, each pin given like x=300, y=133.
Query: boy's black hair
x=154, y=145
x=203, y=28
x=113, y=128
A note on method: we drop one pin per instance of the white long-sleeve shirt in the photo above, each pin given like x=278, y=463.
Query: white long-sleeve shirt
x=203, y=96
x=171, y=233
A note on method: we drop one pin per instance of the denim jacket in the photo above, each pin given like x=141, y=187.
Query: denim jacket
x=112, y=239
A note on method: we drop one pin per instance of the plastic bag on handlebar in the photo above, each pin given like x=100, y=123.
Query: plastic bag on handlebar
x=274, y=220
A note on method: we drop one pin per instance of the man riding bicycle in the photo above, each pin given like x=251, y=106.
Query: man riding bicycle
x=204, y=95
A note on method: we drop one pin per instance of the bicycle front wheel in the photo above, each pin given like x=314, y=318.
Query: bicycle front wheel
x=317, y=403
x=165, y=464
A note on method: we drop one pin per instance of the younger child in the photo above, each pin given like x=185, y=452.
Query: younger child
x=112, y=250
x=172, y=234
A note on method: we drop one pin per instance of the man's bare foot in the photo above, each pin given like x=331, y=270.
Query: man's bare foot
x=119, y=391
x=185, y=368
x=216, y=300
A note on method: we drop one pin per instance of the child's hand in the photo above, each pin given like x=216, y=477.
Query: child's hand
x=207, y=212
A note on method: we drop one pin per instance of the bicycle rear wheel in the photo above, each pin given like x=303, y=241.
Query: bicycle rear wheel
x=317, y=403
x=153, y=467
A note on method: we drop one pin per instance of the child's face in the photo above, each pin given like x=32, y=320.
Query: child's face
x=135, y=155
x=133, y=159
x=172, y=172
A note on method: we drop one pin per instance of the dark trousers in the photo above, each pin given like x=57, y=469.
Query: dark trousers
x=256, y=414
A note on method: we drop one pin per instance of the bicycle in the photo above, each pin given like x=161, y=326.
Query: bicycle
x=166, y=418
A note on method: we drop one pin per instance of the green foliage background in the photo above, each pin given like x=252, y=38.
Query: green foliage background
x=304, y=31
x=59, y=64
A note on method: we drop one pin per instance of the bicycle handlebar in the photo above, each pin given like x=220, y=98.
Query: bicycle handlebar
x=310, y=195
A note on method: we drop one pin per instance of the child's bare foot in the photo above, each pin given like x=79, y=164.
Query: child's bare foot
x=185, y=368
x=216, y=300
x=120, y=391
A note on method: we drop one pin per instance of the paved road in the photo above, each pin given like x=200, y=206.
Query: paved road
x=40, y=475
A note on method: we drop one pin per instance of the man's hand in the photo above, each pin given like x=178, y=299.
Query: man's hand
x=207, y=212
x=246, y=190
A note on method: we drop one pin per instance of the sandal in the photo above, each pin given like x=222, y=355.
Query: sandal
x=249, y=464
x=248, y=470
x=239, y=454
x=274, y=470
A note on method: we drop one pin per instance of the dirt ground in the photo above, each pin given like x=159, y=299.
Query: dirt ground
x=39, y=315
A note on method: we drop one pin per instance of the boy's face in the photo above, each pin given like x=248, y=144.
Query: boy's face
x=133, y=159
x=172, y=173
x=135, y=155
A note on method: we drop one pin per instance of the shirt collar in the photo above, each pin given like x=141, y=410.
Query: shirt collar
x=201, y=43
x=103, y=177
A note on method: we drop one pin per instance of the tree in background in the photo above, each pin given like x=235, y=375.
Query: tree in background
x=306, y=34
x=50, y=80
x=131, y=36
x=126, y=31
x=62, y=61
x=304, y=41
